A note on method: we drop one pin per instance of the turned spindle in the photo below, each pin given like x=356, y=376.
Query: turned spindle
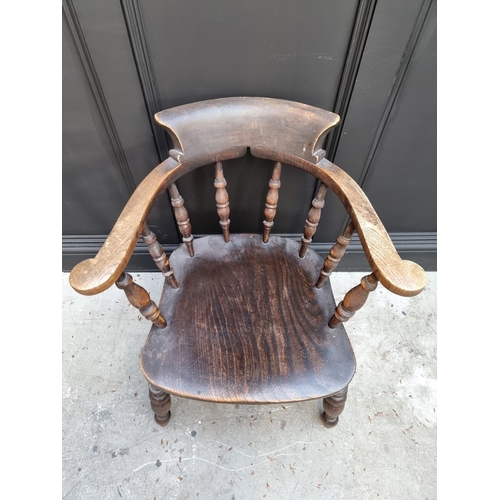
x=160, y=404
x=222, y=200
x=313, y=218
x=141, y=300
x=353, y=301
x=335, y=255
x=181, y=216
x=159, y=256
x=272, y=201
x=333, y=406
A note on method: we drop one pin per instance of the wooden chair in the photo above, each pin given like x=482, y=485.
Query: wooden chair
x=247, y=318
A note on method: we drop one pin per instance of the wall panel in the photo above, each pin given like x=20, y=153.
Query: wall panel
x=372, y=61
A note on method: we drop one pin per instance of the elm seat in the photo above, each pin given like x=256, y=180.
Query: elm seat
x=247, y=325
x=247, y=318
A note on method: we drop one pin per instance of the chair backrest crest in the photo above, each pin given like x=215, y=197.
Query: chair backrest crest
x=255, y=122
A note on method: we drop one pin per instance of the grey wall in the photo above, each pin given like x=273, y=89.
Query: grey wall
x=372, y=62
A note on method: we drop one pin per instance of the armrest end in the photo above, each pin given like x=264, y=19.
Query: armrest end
x=88, y=278
x=404, y=278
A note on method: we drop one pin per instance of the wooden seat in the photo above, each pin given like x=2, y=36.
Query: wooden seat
x=247, y=318
x=247, y=325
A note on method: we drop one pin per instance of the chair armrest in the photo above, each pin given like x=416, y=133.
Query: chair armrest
x=96, y=275
x=402, y=277
x=93, y=276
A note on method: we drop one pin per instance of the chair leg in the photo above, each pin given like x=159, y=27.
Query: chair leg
x=333, y=407
x=160, y=403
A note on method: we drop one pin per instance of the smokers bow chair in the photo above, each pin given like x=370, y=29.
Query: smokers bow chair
x=247, y=318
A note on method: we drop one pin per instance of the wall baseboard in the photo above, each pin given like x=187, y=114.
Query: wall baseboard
x=419, y=247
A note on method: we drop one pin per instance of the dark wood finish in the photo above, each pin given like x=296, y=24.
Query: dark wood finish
x=336, y=253
x=95, y=275
x=160, y=404
x=313, y=218
x=272, y=201
x=399, y=276
x=353, y=301
x=333, y=406
x=140, y=299
x=402, y=277
x=247, y=325
x=222, y=200
x=181, y=216
x=252, y=322
x=159, y=256
x=210, y=126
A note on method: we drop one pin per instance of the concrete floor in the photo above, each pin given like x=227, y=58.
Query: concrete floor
x=383, y=448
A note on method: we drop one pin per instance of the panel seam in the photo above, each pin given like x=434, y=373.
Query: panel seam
x=137, y=37
x=95, y=85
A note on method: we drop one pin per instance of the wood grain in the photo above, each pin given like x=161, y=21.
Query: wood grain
x=333, y=406
x=141, y=300
x=353, y=301
x=222, y=200
x=313, y=217
x=208, y=126
x=93, y=276
x=402, y=277
x=271, y=201
x=181, y=216
x=259, y=125
x=249, y=320
x=248, y=325
x=159, y=256
x=336, y=253
x=160, y=404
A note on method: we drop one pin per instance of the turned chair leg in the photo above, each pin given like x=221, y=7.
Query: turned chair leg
x=333, y=406
x=160, y=403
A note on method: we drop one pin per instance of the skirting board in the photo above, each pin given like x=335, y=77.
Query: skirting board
x=418, y=247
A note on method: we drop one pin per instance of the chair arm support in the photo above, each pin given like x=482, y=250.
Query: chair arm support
x=402, y=277
x=93, y=276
